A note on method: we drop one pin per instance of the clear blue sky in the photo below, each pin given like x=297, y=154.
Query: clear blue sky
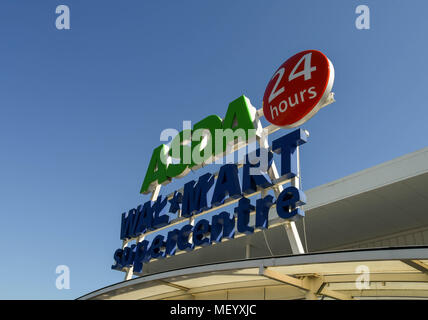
x=82, y=109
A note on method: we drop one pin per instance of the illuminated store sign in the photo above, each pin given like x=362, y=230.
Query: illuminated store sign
x=177, y=222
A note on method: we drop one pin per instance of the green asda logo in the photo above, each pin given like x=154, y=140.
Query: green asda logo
x=208, y=140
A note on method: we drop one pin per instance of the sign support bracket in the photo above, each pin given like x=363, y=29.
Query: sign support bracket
x=290, y=226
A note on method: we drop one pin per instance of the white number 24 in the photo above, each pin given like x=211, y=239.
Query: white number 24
x=306, y=72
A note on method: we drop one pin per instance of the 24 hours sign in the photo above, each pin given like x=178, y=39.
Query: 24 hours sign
x=298, y=89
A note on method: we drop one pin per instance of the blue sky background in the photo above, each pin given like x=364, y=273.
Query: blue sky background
x=81, y=110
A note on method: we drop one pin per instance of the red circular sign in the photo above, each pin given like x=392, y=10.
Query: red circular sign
x=298, y=89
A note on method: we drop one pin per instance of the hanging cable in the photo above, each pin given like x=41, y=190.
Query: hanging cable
x=267, y=243
x=304, y=235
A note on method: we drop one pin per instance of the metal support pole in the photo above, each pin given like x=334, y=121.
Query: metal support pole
x=290, y=226
x=128, y=271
